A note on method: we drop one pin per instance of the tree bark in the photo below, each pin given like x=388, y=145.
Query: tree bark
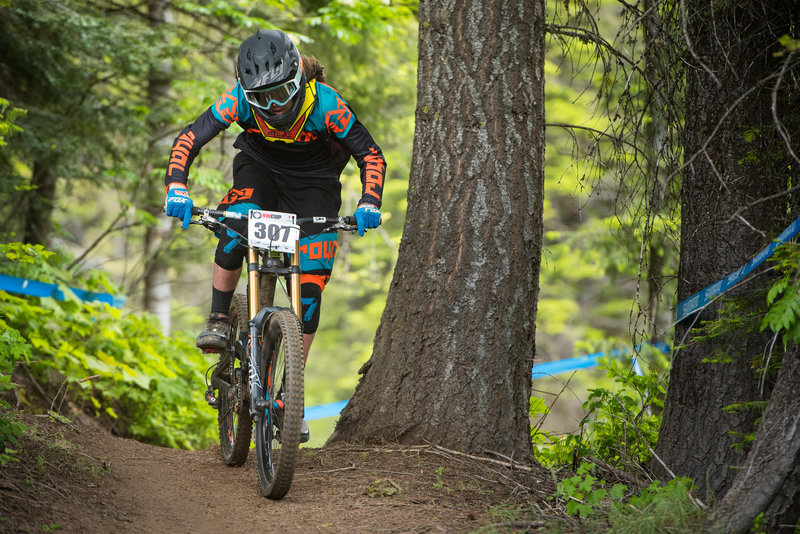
x=734, y=157
x=768, y=480
x=453, y=354
x=38, y=204
x=157, y=287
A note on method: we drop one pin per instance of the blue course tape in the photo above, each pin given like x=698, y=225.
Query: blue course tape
x=569, y=364
x=703, y=297
x=34, y=288
x=548, y=368
x=324, y=410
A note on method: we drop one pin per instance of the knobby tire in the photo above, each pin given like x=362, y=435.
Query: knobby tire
x=278, y=430
x=234, y=421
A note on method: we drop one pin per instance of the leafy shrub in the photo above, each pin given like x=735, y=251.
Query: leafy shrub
x=10, y=427
x=657, y=509
x=783, y=298
x=620, y=426
x=584, y=492
x=114, y=366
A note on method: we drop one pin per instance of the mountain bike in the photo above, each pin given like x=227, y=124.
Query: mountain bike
x=258, y=380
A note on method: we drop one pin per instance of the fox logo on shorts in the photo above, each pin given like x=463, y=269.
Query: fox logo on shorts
x=235, y=195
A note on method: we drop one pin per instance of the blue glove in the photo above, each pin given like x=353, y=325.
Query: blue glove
x=179, y=204
x=367, y=216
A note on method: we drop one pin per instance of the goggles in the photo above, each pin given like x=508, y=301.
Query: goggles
x=275, y=96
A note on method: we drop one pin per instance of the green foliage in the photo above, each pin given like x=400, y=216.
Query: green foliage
x=791, y=44
x=603, y=243
x=8, y=117
x=115, y=367
x=783, y=297
x=10, y=427
x=348, y=21
x=759, y=524
x=657, y=509
x=621, y=421
x=583, y=492
x=667, y=508
x=550, y=449
x=621, y=425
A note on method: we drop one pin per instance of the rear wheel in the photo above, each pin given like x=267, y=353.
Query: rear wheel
x=235, y=423
x=278, y=429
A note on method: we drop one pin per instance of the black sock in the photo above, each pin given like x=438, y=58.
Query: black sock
x=221, y=300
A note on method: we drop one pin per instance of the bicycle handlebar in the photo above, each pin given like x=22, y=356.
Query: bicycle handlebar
x=347, y=220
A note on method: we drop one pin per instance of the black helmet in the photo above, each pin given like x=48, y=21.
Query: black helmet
x=270, y=71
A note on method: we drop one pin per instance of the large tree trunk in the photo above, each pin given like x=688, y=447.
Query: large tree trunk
x=157, y=287
x=453, y=353
x=769, y=482
x=735, y=157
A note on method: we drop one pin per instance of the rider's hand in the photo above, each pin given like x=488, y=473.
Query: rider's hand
x=367, y=216
x=179, y=204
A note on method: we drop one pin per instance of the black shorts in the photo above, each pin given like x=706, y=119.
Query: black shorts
x=257, y=187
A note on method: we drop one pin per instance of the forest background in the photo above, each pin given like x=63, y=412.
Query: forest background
x=92, y=94
x=83, y=111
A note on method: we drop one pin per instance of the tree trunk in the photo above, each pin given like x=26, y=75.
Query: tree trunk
x=453, y=354
x=734, y=158
x=157, y=288
x=768, y=481
x=38, y=204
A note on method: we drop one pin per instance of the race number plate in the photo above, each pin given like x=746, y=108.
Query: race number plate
x=273, y=230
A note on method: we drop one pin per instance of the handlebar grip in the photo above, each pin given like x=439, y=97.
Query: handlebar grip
x=349, y=220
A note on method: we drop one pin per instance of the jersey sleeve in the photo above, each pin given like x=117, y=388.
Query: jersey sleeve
x=370, y=161
x=343, y=125
x=225, y=111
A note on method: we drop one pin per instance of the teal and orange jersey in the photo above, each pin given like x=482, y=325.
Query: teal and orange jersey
x=318, y=145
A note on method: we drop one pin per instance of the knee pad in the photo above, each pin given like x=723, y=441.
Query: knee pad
x=311, y=297
x=230, y=252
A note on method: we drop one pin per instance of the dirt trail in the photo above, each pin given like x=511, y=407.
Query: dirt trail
x=82, y=479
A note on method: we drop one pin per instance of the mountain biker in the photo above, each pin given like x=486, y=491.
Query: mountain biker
x=298, y=135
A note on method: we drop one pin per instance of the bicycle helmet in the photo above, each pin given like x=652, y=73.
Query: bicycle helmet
x=270, y=71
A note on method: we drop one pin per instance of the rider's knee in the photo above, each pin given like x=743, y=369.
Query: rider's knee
x=311, y=298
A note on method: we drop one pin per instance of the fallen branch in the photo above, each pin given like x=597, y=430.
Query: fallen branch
x=351, y=467
x=614, y=470
x=510, y=465
x=518, y=524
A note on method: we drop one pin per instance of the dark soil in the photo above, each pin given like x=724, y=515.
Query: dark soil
x=73, y=478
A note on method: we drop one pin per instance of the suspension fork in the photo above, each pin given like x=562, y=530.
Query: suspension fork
x=253, y=279
x=257, y=405
x=294, y=283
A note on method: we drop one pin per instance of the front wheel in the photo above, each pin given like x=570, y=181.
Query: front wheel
x=278, y=428
x=235, y=424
